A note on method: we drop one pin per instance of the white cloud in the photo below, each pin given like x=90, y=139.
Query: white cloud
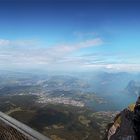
x=17, y=43
x=4, y=42
x=114, y=67
x=18, y=52
x=90, y=43
x=124, y=67
x=66, y=48
x=26, y=53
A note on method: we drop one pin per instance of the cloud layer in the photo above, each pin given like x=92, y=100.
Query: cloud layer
x=29, y=54
x=26, y=53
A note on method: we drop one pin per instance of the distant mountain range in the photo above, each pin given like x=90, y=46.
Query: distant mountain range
x=133, y=88
x=106, y=87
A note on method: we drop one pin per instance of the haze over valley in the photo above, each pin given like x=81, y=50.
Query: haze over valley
x=58, y=105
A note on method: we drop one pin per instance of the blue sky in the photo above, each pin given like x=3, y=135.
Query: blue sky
x=70, y=35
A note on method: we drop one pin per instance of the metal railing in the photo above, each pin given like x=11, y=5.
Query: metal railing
x=22, y=128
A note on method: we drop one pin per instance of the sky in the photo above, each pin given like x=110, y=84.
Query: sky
x=70, y=35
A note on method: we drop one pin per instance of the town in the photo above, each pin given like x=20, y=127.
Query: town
x=59, y=100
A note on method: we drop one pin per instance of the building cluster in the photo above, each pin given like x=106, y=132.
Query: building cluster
x=60, y=100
